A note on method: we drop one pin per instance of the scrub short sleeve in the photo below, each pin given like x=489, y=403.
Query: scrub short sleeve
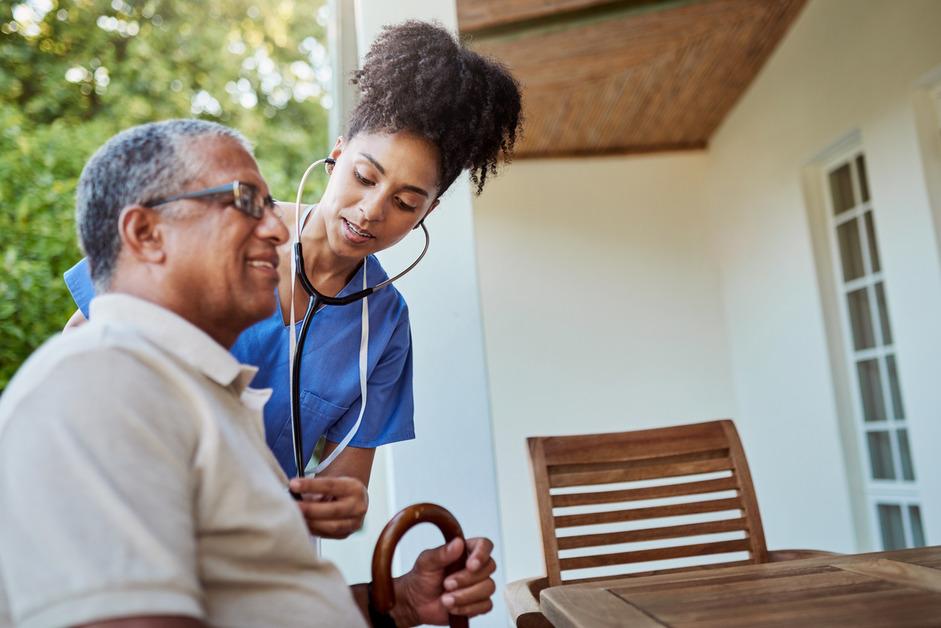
x=116, y=536
x=78, y=280
x=390, y=406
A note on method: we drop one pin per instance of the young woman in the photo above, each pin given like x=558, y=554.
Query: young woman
x=429, y=109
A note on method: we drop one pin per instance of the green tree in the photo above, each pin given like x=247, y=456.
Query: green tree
x=74, y=72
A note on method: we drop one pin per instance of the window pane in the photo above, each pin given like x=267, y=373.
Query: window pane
x=850, y=251
x=880, y=456
x=918, y=532
x=863, y=178
x=897, y=408
x=883, y=315
x=908, y=473
x=860, y=319
x=870, y=390
x=890, y=522
x=873, y=248
x=841, y=189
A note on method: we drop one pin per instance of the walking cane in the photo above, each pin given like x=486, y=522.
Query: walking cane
x=383, y=595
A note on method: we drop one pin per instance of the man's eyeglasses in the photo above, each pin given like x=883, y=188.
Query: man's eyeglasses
x=246, y=198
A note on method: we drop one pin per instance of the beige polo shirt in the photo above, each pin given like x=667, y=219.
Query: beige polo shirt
x=135, y=480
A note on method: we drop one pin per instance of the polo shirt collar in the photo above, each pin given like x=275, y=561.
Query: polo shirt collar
x=175, y=335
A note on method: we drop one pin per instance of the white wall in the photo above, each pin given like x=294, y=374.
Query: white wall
x=624, y=293
x=601, y=311
x=847, y=65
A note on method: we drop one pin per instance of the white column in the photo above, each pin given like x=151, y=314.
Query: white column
x=341, y=40
x=451, y=462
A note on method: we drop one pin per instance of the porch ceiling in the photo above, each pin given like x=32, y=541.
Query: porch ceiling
x=626, y=76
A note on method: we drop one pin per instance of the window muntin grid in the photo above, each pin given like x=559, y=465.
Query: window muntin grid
x=880, y=417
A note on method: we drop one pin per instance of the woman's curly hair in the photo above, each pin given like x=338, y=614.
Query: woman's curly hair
x=418, y=78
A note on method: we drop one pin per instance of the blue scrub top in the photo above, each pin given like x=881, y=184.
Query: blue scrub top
x=330, y=391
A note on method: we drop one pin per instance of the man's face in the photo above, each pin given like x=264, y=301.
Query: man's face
x=222, y=263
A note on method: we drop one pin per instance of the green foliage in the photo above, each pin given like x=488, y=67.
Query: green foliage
x=75, y=72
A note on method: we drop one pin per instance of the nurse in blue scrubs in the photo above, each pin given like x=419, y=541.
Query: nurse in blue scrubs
x=429, y=109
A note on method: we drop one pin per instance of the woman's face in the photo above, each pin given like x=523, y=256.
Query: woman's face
x=380, y=188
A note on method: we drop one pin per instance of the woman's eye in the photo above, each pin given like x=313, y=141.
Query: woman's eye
x=361, y=178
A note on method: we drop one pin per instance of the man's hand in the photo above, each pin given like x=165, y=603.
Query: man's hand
x=425, y=596
x=334, y=507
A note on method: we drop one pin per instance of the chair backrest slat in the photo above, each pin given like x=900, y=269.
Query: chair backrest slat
x=651, y=492
x=606, y=473
x=658, y=495
x=680, y=551
x=653, y=534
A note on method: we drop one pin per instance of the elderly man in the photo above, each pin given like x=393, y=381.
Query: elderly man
x=136, y=488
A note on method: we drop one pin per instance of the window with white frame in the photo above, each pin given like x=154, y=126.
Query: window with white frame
x=879, y=409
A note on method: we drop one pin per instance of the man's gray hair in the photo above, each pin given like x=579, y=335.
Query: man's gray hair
x=135, y=166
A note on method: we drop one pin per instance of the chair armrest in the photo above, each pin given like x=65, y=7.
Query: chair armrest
x=522, y=600
x=779, y=556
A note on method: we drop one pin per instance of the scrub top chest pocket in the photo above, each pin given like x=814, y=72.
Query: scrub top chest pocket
x=320, y=416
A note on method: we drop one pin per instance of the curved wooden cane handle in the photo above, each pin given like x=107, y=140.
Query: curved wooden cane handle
x=383, y=595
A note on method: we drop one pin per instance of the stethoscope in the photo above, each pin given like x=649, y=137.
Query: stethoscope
x=317, y=300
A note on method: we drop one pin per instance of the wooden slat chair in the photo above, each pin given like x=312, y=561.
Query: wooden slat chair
x=690, y=471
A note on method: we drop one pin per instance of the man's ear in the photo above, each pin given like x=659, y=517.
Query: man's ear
x=142, y=233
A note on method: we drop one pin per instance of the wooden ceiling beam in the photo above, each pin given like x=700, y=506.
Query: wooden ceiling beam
x=615, y=151
x=486, y=18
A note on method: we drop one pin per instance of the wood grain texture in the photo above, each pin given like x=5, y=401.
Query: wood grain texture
x=478, y=15
x=899, y=572
x=522, y=601
x=634, y=81
x=651, y=492
x=651, y=534
x=591, y=607
x=898, y=588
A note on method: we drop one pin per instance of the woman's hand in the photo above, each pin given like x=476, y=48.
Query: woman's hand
x=333, y=507
x=425, y=596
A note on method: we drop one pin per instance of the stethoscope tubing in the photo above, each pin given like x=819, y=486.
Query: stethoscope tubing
x=312, y=306
x=356, y=296
x=315, y=302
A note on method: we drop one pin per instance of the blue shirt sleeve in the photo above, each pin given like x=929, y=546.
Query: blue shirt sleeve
x=390, y=405
x=78, y=280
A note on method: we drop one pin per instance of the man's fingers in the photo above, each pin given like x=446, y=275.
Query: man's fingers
x=479, y=550
x=472, y=610
x=469, y=596
x=466, y=578
x=440, y=557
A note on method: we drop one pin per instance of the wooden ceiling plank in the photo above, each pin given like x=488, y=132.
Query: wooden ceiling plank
x=770, y=35
x=615, y=151
x=487, y=17
x=608, y=111
x=591, y=52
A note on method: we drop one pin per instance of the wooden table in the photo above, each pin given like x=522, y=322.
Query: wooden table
x=898, y=588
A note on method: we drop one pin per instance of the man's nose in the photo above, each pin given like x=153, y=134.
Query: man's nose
x=270, y=227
